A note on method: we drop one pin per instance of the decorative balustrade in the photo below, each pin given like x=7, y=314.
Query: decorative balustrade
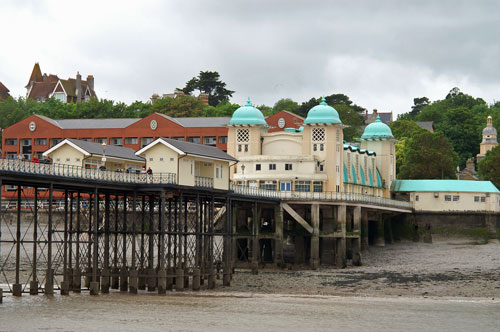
x=321, y=196
x=70, y=171
x=202, y=181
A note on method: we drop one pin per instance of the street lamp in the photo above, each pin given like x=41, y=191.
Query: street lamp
x=103, y=159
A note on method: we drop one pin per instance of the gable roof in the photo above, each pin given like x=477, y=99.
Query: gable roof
x=4, y=92
x=444, y=186
x=96, y=149
x=36, y=75
x=429, y=125
x=283, y=111
x=69, y=86
x=188, y=148
x=41, y=90
x=95, y=123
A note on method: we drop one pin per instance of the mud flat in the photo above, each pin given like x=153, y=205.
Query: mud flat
x=449, y=267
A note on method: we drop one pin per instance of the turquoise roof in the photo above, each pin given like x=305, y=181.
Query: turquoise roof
x=346, y=176
x=444, y=185
x=377, y=130
x=371, y=178
x=380, y=183
x=322, y=113
x=354, y=177
x=247, y=115
x=363, y=182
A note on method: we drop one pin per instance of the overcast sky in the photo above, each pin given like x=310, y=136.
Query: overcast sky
x=381, y=54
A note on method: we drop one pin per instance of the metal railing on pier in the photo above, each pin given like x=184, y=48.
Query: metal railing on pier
x=321, y=196
x=71, y=171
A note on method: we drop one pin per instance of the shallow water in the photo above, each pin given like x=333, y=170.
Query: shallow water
x=244, y=312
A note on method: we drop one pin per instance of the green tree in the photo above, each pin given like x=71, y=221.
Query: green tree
x=353, y=119
x=428, y=156
x=222, y=109
x=285, y=104
x=405, y=128
x=185, y=106
x=306, y=106
x=209, y=82
x=488, y=168
x=418, y=105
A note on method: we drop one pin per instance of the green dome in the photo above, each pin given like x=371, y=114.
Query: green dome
x=377, y=130
x=247, y=115
x=322, y=113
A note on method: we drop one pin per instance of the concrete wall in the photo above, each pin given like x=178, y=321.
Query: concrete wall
x=431, y=201
x=282, y=143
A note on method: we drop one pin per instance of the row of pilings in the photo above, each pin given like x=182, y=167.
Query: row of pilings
x=64, y=239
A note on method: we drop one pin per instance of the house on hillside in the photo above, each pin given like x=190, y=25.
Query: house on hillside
x=73, y=90
x=4, y=92
x=385, y=117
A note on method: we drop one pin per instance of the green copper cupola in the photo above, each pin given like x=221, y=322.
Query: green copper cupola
x=377, y=130
x=248, y=115
x=322, y=114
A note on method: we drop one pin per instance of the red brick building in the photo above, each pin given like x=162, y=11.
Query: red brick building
x=36, y=134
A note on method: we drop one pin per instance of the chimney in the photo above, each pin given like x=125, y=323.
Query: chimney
x=375, y=111
x=204, y=98
x=90, y=82
x=366, y=115
x=78, y=87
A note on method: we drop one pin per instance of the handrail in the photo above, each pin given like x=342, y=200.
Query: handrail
x=325, y=196
x=203, y=181
x=29, y=167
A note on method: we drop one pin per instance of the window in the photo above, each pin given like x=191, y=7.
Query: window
x=416, y=197
x=315, y=147
x=161, y=158
x=86, y=139
x=146, y=140
x=272, y=167
x=194, y=139
x=60, y=96
x=321, y=147
x=40, y=141
x=317, y=186
x=217, y=171
x=222, y=139
x=210, y=140
x=54, y=141
x=11, y=141
x=303, y=186
x=288, y=167
x=243, y=135
x=239, y=147
x=338, y=135
x=268, y=185
x=337, y=187
x=337, y=168
x=116, y=141
x=67, y=159
x=338, y=147
x=246, y=147
x=447, y=198
x=321, y=168
x=476, y=198
x=101, y=140
x=257, y=167
x=456, y=198
x=11, y=155
x=178, y=138
x=318, y=134
x=483, y=199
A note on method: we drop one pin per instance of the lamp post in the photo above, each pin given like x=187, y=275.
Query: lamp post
x=103, y=159
x=243, y=175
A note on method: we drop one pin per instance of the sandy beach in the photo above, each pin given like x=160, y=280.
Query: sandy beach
x=456, y=267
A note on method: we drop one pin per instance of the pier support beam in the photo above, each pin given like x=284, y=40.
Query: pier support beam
x=49, y=276
x=341, y=258
x=315, y=236
x=364, y=230
x=356, y=241
x=379, y=237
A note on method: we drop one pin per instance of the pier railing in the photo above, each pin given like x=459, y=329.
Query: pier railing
x=321, y=196
x=71, y=171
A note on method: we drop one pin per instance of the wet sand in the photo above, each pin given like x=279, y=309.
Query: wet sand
x=445, y=268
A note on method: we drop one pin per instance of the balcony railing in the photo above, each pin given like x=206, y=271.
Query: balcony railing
x=70, y=171
x=324, y=196
x=202, y=181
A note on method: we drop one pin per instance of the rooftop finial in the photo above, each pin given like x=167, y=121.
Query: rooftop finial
x=378, y=118
x=489, y=121
x=248, y=102
x=323, y=101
